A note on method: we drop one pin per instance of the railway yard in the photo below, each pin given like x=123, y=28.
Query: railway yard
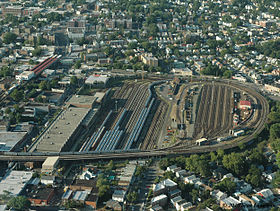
x=133, y=121
x=167, y=117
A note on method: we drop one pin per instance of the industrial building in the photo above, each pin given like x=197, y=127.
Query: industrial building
x=9, y=141
x=15, y=182
x=244, y=104
x=25, y=76
x=97, y=79
x=50, y=164
x=79, y=114
x=85, y=101
x=65, y=129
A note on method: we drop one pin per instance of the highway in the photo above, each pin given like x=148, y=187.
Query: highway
x=176, y=150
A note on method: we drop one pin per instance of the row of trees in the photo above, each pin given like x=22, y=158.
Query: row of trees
x=216, y=71
x=243, y=164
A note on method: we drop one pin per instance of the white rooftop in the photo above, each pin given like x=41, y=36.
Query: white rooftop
x=80, y=195
x=158, y=198
x=97, y=79
x=9, y=139
x=15, y=181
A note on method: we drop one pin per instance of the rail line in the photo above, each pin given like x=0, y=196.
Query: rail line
x=259, y=126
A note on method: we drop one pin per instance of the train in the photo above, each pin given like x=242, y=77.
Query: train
x=46, y=154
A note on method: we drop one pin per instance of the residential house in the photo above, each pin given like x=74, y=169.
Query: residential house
x=160, y=200
x=230, y=203
x=218, y=195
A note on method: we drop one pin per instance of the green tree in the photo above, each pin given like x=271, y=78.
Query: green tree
x=19, y=203
x=110, y=166
x=37, y=52
x=235, y=163
x=274, y=117
x=103, y=186
x=78, y=64
x=43, y=85
x=255, y=176
x=274, y=131
x=228, y=74
x=276, y=180
x=74, y=81
x=164, y=163
x=9, y=37
x=132, y=196
x=17, y=95
x=226, y=185
x=73, y=204
x=8, y=110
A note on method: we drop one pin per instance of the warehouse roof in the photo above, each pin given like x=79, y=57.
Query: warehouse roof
x=15, y=181
x=245, y=103
x=81, y=101
x=9, y=139
x=51, y=161
x=54, y=139
x=97, y=79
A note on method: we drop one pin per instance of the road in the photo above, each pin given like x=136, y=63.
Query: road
x=147, y=181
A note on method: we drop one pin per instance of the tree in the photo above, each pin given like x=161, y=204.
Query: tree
x=213, y=157
x=199, y=164
x=276, y=180
x=9, y=37
x=132, y=196
x=274, y=131
x=274, y=117
x=78, y=64
x=8, y=110
x=103, y=186
x=228, y=74
x=194, y=194
x=226, y=185
x=255, y=176
x=17, y=95
x=110, y=165
x=73, y=204
x=140, y=170
x=164, y=163
x=235, y=163
x=37, y=52
x=19, y=203
x=43, y=85
x=74, y=81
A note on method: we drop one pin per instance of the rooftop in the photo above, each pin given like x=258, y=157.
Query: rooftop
x=80, y=195
x=9, y=139
x=157, y=198
x=35, y=192
x=58, y=134
x=15, y=182
x=51, y=161
x=97, y=79
x=81, y=101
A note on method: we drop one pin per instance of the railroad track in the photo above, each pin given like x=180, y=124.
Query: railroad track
x=211, y=113
x=199, y=113
x=135, y=104
x=155, y=127
x=203, y=109
x=259, y=126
